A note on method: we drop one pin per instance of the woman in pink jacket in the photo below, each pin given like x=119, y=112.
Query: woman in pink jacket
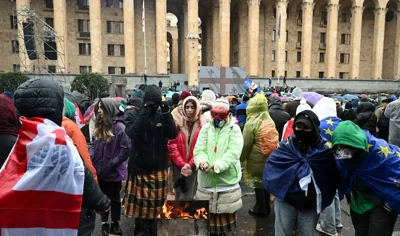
x=181, y=149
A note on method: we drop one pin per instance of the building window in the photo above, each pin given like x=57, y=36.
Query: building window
x=324, y=18
x=83, y=25
x=321, y=57
x=273, y=35
x=122, y=50
x=122, y=70
x=109, y=3
x=121, y=3
x=90, y=69
x=273, y=73
x=115, y=27
x=83, y=69
x=298, y=56
x=344, y=58
x=13, y=22
x=287, y=36
x=346, y=17
x=50, y=21
x=321, y=74
x=297, y=74
x=49, y=4
x=286, y=56
x=110, y=49
x=16, y=68
x=274, y=12
x=273, y=55
x=285, y=73
x=343, y=75
x=83, y=5
x=51, y=69
x=345, y=39
x=299, y=36
x=323, y=37
x=15, y=46
x=111, y=70
x=82, y=48
x=89, y=49
x=300, y=17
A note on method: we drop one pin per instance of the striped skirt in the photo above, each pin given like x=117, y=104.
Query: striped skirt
x=146, y=194
x=222, y=223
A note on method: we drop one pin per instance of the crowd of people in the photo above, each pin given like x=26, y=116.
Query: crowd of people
x=301, y=156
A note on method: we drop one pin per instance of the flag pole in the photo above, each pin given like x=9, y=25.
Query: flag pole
x=144, y=34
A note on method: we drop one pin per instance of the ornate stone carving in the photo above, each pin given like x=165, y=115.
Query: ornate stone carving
x=380, y=10
x=307, y=5
x=251, y=2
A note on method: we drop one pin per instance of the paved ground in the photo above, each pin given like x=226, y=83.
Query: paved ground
x=252, y=226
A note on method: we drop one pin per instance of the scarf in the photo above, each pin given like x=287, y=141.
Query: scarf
x=42, y=182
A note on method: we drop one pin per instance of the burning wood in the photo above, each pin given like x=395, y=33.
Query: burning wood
x=183, y=210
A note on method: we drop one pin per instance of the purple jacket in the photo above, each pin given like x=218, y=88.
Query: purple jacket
x=109, y=158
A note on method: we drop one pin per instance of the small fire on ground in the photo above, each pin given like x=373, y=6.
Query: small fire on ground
x=183, y=210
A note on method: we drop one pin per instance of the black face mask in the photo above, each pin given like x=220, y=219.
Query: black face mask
x=305, y=136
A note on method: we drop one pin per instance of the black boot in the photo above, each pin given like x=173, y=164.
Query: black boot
x=115, y=228
x=105, y=229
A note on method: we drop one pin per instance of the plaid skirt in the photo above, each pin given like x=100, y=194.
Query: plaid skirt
x=146, y=194
x=222, y=223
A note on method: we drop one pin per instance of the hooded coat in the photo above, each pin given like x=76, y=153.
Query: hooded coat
x=278, y=115
x=150, y=129
x=366, y=117
x=8, y=127
x=109, y=158
x=40, y=97
x=260, y=139
x=393, y=112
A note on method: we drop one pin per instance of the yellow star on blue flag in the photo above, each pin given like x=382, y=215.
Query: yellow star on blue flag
x=328, y=144
x=327, y=127
x=369, y=147
x=328, y=131
x=330, y=122
x=398, y=154
x=385, y=151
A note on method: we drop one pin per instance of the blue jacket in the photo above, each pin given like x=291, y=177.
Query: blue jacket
x=241, y=118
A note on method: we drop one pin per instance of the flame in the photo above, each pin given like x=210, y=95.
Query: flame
x=178, y=212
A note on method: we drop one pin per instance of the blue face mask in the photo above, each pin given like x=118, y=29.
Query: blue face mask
x=219, y=123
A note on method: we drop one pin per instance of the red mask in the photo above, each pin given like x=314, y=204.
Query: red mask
x=221, y=115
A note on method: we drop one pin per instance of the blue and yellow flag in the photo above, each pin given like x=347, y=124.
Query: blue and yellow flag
x=327, y=126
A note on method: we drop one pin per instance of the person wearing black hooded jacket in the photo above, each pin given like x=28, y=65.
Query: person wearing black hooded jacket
x=348, y=113
x=366, y=118
x=149, y=128
x=278, y=115
x=44, y=98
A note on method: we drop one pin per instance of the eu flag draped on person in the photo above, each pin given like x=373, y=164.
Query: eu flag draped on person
x=377, y=166
x=328, y=126
x=42, y=182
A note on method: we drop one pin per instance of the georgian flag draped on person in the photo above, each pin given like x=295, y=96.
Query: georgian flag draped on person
x=41, y=182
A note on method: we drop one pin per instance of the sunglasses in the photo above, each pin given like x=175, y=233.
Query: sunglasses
x=218, y=114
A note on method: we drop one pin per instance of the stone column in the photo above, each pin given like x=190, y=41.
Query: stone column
x=225, y=31
x=96, y=40
x=333, y=10
x=161, y=36
x=281, y=7
x=306, y=41
x=356, y=27
x=379, y=38
x=181, y=41
x=243, y=31
x=24, y=62
x=61, y=27
x=129, y=37
x=253, y=35
x=209, y=39
x=397, y=49
x=185, y=41
x=216, y=39
x=174, y=56
x=192, y=38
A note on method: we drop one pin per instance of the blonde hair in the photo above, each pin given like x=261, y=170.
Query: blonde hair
x=103, y=128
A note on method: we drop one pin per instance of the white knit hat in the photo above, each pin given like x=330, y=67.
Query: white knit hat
x=303, y=106
x=221, y=104
x=208, y=96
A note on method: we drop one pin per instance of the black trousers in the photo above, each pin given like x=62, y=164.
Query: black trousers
x=377, y=222
x=112, y=191
x=262, y=201
x=144, y=227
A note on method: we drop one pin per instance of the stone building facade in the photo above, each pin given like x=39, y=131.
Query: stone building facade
x=270, y=38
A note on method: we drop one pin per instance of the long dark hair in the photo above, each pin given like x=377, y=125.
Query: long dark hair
x=103, y=127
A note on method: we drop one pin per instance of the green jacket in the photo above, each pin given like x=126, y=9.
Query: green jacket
x=361, y=196
x=221, y=148
x=260, y=139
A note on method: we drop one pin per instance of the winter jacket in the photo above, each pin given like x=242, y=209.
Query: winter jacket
x=393, y=112
x=181, y=148
x=221, y=148
x=79, y=140
x=291, y=107
x=278, y=115
x=93, y=200
x=150, y=128
x=260, y=139
x=239, y=112
x=366, y=117
x=8, y=127
x=348, y=114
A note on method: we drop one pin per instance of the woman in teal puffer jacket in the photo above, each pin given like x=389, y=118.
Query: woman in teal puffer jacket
x=217, y=155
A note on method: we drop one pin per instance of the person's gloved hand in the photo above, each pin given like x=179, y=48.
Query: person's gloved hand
x=164, y=108
x=186, y=170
